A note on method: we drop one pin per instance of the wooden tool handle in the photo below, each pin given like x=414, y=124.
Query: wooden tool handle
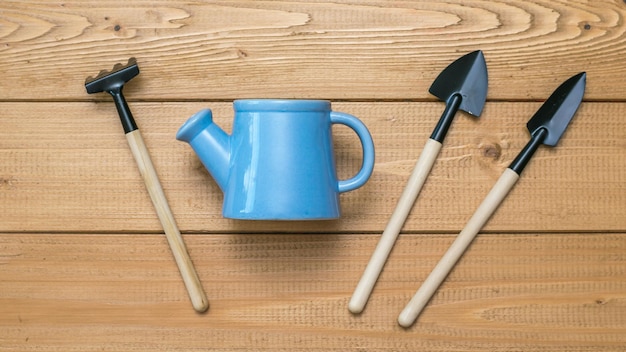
x=405, y=203
x=458, y=247
x=174, y=238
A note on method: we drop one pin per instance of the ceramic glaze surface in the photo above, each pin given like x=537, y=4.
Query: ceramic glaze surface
x=279, y=163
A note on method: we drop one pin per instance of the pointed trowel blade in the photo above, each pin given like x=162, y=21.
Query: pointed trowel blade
x=467, y=77
x=551, y=120
x=557, y=112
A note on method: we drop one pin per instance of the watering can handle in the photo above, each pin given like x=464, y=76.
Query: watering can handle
x=367, y=144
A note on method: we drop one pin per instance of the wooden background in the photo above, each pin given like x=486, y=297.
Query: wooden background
x=84, y=265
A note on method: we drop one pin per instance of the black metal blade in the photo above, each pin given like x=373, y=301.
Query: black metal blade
x=557, y=112
x=551, y=120
x=466, y=77
x=463, y=85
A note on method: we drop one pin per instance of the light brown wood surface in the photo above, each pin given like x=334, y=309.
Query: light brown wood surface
x=84, y=263
x=162, y=208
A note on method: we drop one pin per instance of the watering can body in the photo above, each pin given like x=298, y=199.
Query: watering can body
x=278, y=163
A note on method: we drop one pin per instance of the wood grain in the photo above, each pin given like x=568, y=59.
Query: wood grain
x=57, y=177
x=164, y=213
x=461, y=243
x=84, y=263
x=538, y=292
x=305, y=49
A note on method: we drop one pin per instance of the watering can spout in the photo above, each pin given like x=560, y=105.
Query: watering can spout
x=210, y=142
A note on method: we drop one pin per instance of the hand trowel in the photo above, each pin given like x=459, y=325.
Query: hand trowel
x=545, y=127
x=463, y=86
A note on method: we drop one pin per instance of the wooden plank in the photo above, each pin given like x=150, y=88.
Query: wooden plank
x=67, y=167
x=84, y=265
x=337, y=50
x=537, y=292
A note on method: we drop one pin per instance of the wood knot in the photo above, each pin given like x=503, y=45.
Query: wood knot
x=492, y=151
x=8, y=183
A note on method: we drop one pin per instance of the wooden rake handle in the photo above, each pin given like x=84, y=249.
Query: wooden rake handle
x=422, y=168
x=489, y=205
x=174, y=238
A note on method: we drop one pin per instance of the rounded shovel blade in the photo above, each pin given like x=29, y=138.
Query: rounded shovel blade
x=467, y=77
